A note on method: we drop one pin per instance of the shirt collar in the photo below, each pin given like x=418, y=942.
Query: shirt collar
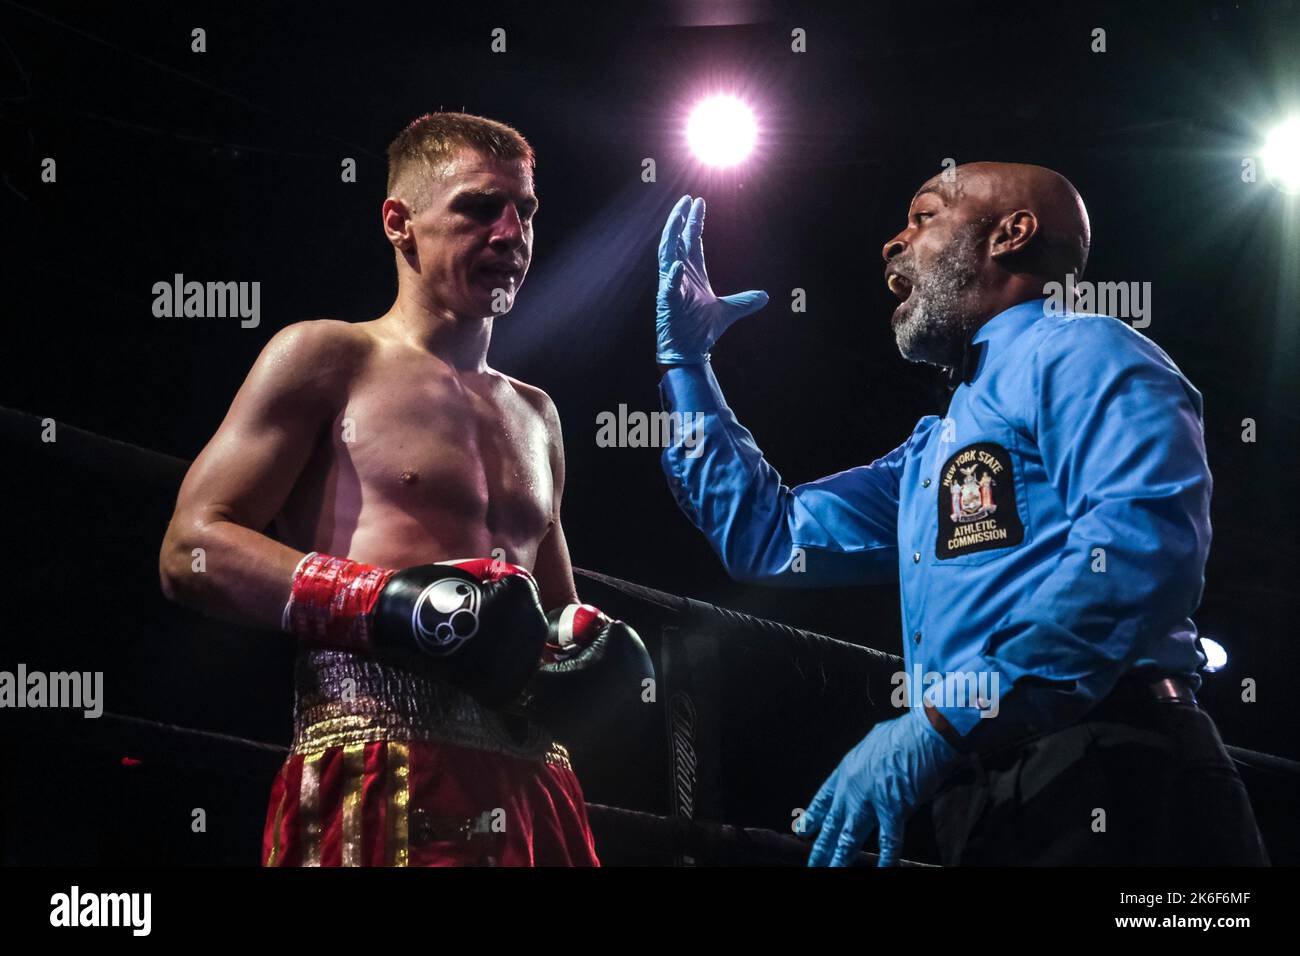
x=996, y=332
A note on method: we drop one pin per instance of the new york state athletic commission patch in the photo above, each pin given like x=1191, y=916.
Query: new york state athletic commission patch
x=977, y=502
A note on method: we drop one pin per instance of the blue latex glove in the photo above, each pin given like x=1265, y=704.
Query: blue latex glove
x=689, y=318
x=880, y=782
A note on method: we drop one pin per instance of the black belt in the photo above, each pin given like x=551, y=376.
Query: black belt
x=1145, y=686
x=1129, y=698
x=1135, y=693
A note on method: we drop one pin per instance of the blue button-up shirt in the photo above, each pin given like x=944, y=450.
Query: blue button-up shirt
x=1049, y=534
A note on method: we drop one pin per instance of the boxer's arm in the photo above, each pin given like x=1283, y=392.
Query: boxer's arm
x=239, y=482
x=553, y=569
x=840, y=530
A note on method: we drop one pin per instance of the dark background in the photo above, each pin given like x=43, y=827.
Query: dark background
x=225, y=166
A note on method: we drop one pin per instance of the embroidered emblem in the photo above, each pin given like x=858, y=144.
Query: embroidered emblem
x=977, y=502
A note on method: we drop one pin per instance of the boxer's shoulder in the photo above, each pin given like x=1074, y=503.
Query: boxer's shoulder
x=548, y=418
x=535, y=398
x=319, y=348
x=303, y=369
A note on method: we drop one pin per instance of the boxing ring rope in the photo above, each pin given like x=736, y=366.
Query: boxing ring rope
x=721, y=843
x=751, y=713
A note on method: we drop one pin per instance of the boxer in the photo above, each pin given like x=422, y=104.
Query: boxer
x=415, y=495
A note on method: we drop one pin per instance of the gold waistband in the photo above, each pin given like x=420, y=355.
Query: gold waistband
x=346, y=698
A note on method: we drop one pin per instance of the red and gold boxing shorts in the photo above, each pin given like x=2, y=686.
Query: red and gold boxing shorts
x=392, y=768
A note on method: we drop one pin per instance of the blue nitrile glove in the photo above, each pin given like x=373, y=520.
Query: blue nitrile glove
x=880, y=782
x=689, y=318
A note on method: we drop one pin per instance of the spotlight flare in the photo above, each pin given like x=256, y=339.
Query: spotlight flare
x=1282, y=156
x=721, y=131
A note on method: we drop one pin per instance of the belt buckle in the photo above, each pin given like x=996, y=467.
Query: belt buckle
x=426, y=828
x=1171, y=690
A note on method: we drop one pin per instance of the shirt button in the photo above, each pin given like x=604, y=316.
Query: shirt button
x=926, y=483
x=917, y=637
x=916, y=557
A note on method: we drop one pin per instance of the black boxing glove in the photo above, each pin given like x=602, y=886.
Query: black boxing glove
x=592, y=676
x=479, y=622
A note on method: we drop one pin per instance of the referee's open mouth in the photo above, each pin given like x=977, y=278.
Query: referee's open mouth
x=898, y=283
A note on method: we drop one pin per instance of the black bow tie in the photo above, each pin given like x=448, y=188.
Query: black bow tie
x=964, y=370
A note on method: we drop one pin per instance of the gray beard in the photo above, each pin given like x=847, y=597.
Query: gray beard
x=932, y=326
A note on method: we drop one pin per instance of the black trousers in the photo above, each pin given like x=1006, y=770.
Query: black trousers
x=1138, y=783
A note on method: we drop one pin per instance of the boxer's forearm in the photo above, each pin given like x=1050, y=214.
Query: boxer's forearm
x=553, y=570
x=227, y=571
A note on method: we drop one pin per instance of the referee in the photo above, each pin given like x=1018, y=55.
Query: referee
x=1049, y=536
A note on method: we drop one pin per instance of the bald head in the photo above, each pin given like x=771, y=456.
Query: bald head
x=995, y=190
x=979, y=239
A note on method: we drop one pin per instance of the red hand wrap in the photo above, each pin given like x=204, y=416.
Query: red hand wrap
x=331, y=600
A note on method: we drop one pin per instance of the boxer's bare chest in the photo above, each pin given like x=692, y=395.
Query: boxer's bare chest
x=422, y=460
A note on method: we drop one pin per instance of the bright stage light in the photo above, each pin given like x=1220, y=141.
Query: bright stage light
x=1282, y=156
x=721, y=131
x=1216, y=656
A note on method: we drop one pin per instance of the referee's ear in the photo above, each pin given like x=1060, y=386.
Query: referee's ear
x=1013, y=233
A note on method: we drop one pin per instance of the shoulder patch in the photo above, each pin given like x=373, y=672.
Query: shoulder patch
x=977, y=502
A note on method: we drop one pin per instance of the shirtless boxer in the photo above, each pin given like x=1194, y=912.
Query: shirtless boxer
x=387, y=453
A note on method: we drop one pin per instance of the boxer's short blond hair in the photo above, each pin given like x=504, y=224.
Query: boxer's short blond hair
x=429, y=142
